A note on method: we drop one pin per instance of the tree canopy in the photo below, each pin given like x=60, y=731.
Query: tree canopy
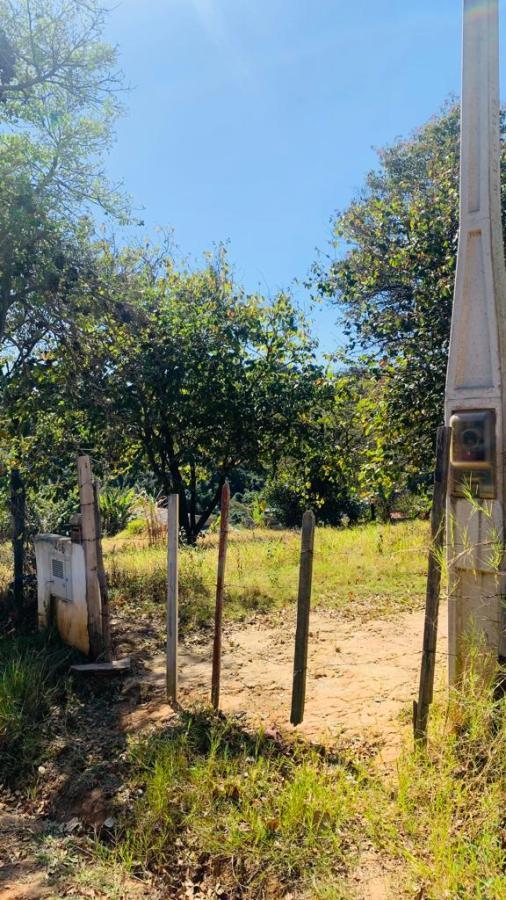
x=177, y=374
x=196, y=377
x=58, y=103
x=393, y=284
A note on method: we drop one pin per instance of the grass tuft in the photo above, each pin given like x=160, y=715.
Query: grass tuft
x=448, y=820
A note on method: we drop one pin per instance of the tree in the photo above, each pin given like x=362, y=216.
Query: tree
x=321, y=472
x=57, y=107
x=394, y=284
x=197, y=378
x=42, y=424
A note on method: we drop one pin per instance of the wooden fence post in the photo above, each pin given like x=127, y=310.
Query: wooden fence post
x=220, y=584
x=102, y=577
x=437, y=521
x=89, y=533
x=172, y=594
x=18, y=514
x=303, y=607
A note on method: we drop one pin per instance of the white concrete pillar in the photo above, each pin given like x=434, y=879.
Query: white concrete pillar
x=475, y=405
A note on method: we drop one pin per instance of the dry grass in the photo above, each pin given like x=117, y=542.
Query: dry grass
x=5, y=566
x=365, y=572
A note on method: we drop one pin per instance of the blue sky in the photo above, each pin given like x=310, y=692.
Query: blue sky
x=251, y=121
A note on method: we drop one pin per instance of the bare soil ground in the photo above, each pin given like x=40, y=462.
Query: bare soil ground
x=362, y=678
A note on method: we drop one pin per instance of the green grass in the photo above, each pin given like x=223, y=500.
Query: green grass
x=365, y=572
x=261, y=818
x=241, y=809
x=448, y=821
x=29, y=668
x=208, y=801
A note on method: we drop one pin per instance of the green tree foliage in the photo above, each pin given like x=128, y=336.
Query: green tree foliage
x=58, y=100
x=196, y=378
x=321, y=471
x=57, y=108
x=393, y=281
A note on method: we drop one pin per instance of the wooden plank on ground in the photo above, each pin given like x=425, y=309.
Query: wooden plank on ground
x=106, y=668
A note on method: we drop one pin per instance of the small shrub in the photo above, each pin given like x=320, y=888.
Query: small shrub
x=116, y=505
x=51, y=508
x=413, y=506
x=135, y=527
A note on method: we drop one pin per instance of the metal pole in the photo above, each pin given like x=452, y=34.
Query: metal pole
x=172, y=594
x=220, y=585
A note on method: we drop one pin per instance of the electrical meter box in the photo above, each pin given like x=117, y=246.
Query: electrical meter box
x=61, y=588
x=473, y=453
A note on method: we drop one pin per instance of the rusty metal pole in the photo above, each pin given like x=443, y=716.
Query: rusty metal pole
x=220, y=584
x=172, y=594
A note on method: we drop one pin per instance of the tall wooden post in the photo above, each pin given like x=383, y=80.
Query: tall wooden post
x=427, y=671
x=89, y=536
x=303, y=608
x=172, y=594
x=102, y=577
x=18, y=515
x=475, y=389
x=220, y=585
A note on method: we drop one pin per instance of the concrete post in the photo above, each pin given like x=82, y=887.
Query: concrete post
x=475, y=403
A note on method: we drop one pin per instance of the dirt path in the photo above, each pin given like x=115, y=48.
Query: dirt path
x=362, y=678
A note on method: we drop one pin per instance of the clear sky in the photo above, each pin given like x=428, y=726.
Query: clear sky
x=252, y=121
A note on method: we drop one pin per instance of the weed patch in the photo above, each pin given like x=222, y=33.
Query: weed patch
x=28, y=686
x=245, y=811
x=448, y=818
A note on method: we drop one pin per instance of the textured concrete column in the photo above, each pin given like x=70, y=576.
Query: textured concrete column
x=476, y=369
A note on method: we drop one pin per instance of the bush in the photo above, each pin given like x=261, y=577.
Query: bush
x=286, y=505
x=413, y=506
x=136, y=526
x=50, y=511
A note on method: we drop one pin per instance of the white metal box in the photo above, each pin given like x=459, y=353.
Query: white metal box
x=61, y=588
